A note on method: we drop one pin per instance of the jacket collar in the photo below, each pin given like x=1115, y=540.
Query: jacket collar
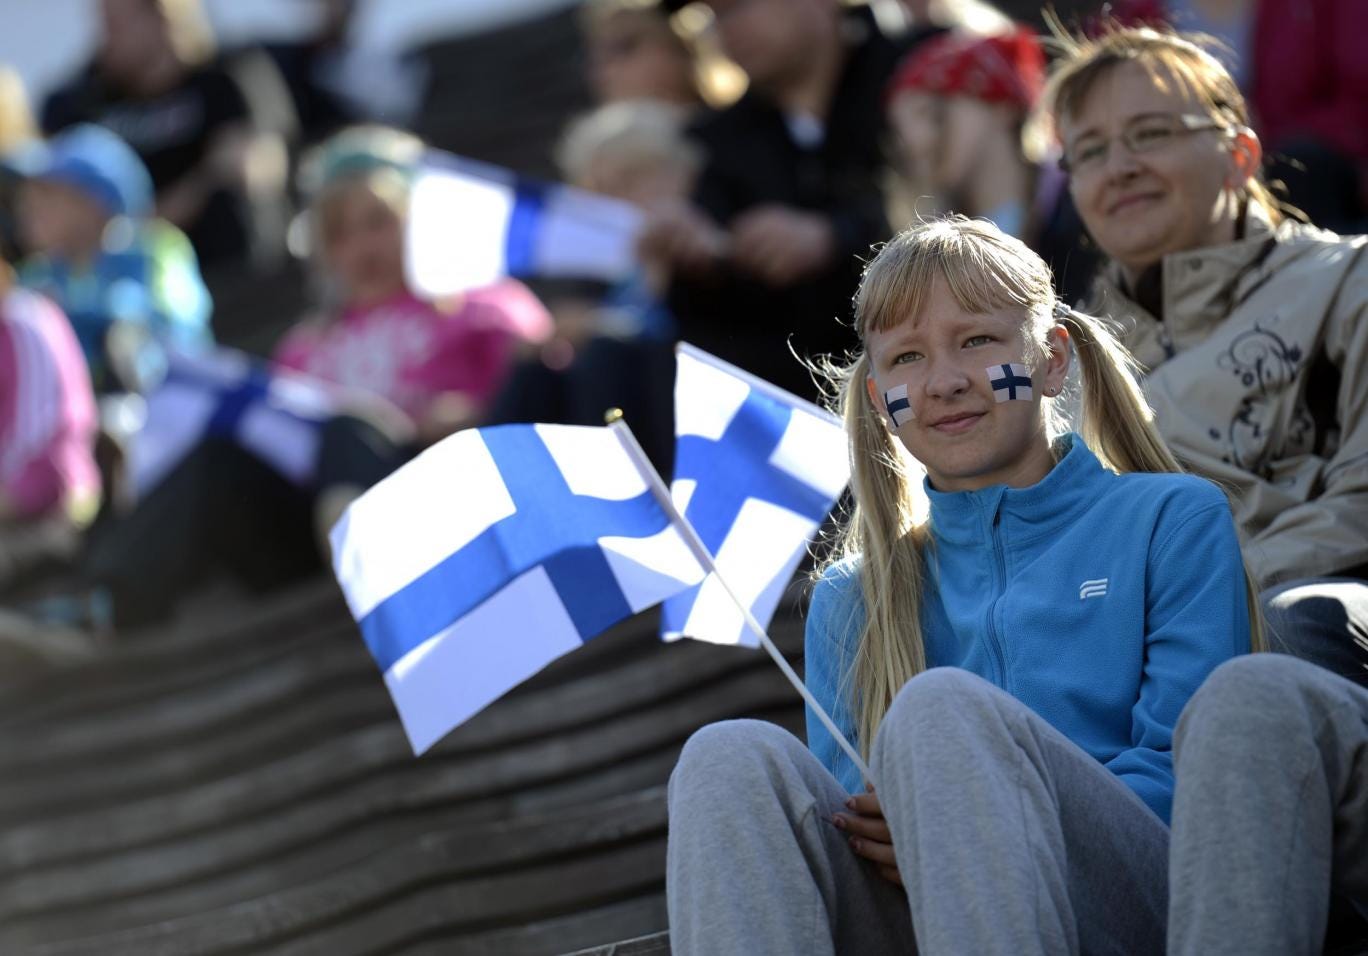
x=1207, y=282
x=1048, y=506
x=1205, y=277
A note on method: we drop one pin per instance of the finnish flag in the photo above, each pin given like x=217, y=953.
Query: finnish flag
x=497, y=551
x=1011, y=381
x=471, y=224
x=221, y=393
x=756, y=472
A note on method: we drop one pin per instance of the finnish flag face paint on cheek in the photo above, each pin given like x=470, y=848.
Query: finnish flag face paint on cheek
x=1010, y=381
x=898, y=405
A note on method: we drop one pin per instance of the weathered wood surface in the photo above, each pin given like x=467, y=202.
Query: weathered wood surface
x=654, y=944
x=247, y=788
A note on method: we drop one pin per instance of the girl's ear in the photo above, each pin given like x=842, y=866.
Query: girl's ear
x=1056, y=368
x=1246, y=152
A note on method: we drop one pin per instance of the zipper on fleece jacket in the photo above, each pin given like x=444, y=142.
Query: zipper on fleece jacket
x=999, y=588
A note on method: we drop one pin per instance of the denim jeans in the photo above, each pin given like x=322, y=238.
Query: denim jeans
x=1321, y=620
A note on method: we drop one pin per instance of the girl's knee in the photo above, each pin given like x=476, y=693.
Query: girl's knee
x=1246, y=693
x=936, y=692
x=731, y=749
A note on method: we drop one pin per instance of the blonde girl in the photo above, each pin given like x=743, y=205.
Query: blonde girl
x=1010, y=641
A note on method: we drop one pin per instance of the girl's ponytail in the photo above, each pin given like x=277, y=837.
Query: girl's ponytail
x=1117, y=422
x=886, y=529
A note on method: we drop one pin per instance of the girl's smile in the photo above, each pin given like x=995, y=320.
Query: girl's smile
x=957, y=423
x=958, y=429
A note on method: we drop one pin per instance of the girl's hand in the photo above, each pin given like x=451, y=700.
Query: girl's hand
x=869, y=834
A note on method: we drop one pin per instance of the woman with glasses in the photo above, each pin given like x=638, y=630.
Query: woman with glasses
x=1249, y=326
x=1252, y=334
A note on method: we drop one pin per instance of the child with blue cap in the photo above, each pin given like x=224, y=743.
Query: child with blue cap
x=125, y=278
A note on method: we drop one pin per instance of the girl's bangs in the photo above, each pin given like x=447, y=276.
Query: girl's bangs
x=981, y=274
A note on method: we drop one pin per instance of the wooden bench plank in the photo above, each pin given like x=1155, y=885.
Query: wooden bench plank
x=468, y=853
x=82, y=877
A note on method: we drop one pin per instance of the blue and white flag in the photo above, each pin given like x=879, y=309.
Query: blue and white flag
x=221, y=393
x=497, y=551
x=1011, y=382
x=756, y=472
x=470, y=224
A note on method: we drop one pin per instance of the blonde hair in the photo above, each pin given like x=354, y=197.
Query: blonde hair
x=637, y=131
x=380, y=159
x=16, y=119
x=984, y=270
x=1166, y=55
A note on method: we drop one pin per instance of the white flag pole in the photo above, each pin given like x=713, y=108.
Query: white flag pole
x=662, y=495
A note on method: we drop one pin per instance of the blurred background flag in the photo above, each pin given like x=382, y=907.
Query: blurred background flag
x=756, y=472
x=497, y=551
x=472, y=223
x=222, y=393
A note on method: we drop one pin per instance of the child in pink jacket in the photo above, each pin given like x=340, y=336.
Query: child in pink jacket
x=49, y=485
x=441, y=362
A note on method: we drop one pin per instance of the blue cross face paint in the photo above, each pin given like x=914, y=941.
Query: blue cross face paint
x=898, y=405
x=1010, y=381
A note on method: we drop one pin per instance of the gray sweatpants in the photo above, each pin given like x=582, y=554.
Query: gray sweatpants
x=1010, y=839
x=1271, y=808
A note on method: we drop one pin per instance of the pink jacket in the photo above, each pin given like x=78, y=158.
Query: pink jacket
x=47, y=409
x=410, y=351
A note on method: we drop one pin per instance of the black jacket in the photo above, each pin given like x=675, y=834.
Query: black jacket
x=752, y=159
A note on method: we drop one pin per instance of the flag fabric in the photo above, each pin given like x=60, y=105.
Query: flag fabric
x=471, y=223
x=222, y=393
x=497, y=551
x=756, y=472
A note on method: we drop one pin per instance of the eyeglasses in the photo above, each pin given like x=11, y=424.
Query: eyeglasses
x=1144, y=134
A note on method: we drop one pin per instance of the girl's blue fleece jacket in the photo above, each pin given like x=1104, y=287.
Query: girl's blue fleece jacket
x=1101, y=601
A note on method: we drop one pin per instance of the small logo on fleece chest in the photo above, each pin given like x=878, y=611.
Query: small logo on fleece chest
x=1094, y=588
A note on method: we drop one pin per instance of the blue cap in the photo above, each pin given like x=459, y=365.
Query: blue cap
x=95, y=161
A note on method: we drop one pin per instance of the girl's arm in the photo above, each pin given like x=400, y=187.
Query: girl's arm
x=833, y=626
x=1196, y=616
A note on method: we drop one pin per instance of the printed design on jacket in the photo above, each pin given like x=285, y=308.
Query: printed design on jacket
x=1266, y=366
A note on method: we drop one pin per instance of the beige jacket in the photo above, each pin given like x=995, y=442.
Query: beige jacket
x=1258, y=375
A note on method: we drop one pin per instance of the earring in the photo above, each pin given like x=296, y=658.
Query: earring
x=1051, y=392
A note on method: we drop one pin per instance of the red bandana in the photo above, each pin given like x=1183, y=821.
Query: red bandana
x=998, y=69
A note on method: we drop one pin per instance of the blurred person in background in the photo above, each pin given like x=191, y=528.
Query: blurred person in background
x=1250, y=327
x=960, y=106
x=789, y=196
x=388, y=354
x=616, y=351
x=49, y=485
x=440, y=362
x=642, y=49
x=1300, y=65
x=199, y=126
x=305, y=66
x=128, y=282
x=337, y=78
x=635, y=53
